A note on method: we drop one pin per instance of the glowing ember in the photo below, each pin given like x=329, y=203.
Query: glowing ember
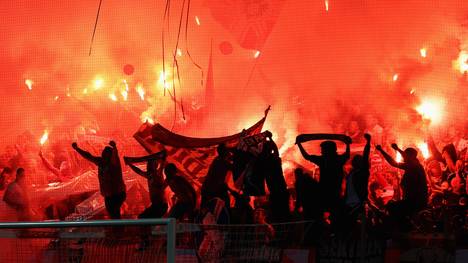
x=395, y=77
x=98, y=83
x=126, y=84
x=140, y=91
x=68, y=92
x=56, y=98
x=461, y=64
x=29, y=83
x=398, y=158
x=179, y=52
x=424, y=149
x=423, y=52
x=412, y=91
x=257, y=54
x=197, y=20
x=85, y=91
x=326, y=5
x=430, y=110
x=44, y=137
x=112, y=96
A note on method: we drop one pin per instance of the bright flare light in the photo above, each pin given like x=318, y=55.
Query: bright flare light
x=124, y=94
x=326, y=5
x=424, y=149
x=113, y=97
x=44, y=137
x=257, y=54
x=98, y=83
x=461, y=64
x=146, y=118
x=430, y=110
x=29, y=83
x=423, y=52
x=197, y=20
x=179, y=52
x=395, y=77
x=163, y=80
x=398, y=158
x=140, y=91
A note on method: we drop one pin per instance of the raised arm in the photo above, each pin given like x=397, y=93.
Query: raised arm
x=88, y=156
x=154, y=156
x=138, y=170
x=367, y=149
x=433, y=150
x=313, y=158
x=348, y=142
x=396, y=148
x=49, y=166
x=388, y=158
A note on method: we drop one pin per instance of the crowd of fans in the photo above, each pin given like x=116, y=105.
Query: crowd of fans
x=245, y=184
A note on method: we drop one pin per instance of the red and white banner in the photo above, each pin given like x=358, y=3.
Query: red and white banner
x=192, y=156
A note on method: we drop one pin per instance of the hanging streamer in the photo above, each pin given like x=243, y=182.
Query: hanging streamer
x=95, y=26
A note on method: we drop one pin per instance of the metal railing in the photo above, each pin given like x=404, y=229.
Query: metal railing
x=170, y=231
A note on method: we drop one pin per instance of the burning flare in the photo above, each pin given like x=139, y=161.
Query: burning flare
x=113, y=97
x=140, y=91
x=44, y=137
x=461, y=64
x=424, y=149
x=197, y=20
x=430, y=110
x=395, y=77
x=29, y=83
x=98, y=83
x=423, y=52
x=398, y=158
x=257, y=54
x=326, y=5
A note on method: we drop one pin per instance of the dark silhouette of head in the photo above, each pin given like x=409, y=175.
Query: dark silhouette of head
x=107, y=154
x=20, y=174
x=328, y=148
x=357, y=161
x=222, y=150
x=410, y=155
x=170, y=170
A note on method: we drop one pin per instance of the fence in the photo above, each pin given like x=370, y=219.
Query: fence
x=88, y=241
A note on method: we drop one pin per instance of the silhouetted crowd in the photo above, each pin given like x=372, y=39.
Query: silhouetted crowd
x=245, y=184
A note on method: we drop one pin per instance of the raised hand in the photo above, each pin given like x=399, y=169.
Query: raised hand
x=378, y=147
x=394, y=146
x=367, y=136
x=75, y=145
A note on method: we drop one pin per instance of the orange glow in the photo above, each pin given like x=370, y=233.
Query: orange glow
x=412, y=91
x=124, y=94
x=424, y=149
x=395, y=77
x=197, y=20
x=85, y=91
x=44, y=137
x=179, y=52
x=430, y=110
x=326, y=5
x=56, y=98
x=29, y=83
x=461, y=64
x=423, y=52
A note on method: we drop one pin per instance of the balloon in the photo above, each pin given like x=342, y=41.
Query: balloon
x=128, y=69
x=225, y=47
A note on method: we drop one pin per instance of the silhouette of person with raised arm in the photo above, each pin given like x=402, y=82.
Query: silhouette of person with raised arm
x=156, y=186
x=331, y=165
x=186, y=197
x=413, y=184
x=111, y=182
x=357, y=181
x=215, y=181
x=63, y=173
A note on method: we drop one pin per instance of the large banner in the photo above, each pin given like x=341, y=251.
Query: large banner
x=192, y=156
